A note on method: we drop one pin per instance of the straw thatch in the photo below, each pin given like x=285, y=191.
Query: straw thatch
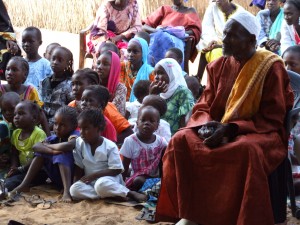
x=74, y=15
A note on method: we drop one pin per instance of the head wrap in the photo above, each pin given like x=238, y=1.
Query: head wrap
x=146, y=69
x=114, y=73
x=174, y=72
x=248, y=21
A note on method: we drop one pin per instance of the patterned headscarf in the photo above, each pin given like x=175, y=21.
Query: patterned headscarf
x=174, y=72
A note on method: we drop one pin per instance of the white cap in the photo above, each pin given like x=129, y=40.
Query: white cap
x=248, y=21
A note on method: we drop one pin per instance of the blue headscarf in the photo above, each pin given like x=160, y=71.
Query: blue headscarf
x=146, y=69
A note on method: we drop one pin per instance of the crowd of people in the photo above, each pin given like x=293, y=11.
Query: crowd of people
x=136, y=120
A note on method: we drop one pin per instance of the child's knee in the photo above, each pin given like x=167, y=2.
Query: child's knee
x=75, y=189
x=102, y=186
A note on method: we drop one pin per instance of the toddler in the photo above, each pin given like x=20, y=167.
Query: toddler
x=23, y=138
x=55, y=153
x=143, y=149
x=39, y=68
x=56, y=90
x=98, y=165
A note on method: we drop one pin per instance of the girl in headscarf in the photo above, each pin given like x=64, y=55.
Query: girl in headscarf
x=171, y=86
x=108, y=69
x=137, y=67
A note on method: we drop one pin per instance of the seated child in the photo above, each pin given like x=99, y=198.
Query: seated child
x=49, y=50
x=291, y=58
x=98, y=96
x=16, y=73
x=39, y=68
x=146, y=37
x=195, y=87
x=55, y=153
x=98, y=165
x=143, y=149
x=140, y=90
x=80, y=82
x=8, y=102
x=56, y=90
x=176, y=53
x=23, y=138
x=160, y=104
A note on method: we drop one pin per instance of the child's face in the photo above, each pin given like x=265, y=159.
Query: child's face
x=103, y=67
x=8, y=109
x=23, y=116
x=14, y=72
x=160, y=74
x=148, y=121
x=30, y=42
x=89, y=100
x=292, y=61
x=59, y=61
x=172, y=55
x=134, y=53
x=88, y=132
x=62, y=126
x=79, y=83
x=48, y=52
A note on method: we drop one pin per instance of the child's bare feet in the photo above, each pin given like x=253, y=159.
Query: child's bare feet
x=66, y=198
x=137, y=196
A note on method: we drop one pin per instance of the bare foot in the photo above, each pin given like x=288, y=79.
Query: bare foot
x=66, y=198
x=137, y=196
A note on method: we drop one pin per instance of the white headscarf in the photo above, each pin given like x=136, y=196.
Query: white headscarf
x=248, y=21
x=174, y=72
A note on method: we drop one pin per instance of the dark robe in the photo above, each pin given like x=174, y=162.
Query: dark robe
x=227, y=185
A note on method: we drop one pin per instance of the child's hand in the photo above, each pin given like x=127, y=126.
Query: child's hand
x=88, y=179
x=12, y=171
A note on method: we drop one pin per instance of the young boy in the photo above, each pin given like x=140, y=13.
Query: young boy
x=49, y=50
x=39, y=68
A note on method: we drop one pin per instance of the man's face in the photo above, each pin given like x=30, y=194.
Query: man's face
x=236, y=40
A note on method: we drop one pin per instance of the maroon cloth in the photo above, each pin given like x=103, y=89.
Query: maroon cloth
x=229, y=184
x=165, y=16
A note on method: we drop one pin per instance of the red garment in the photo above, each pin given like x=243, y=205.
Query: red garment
x=229, y=184
x=109, y=131
x=297, y=38
x=165, y=16
x=114, y=73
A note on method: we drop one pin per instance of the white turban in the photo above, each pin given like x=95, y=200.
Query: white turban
x=248, y=21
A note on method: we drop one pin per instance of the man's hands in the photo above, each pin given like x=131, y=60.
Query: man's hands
x=214, y=133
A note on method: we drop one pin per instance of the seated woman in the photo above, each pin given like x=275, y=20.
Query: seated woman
x=115, y=20
x=108, y=69
x=215, y=17
x=172, y=16
x=270, y=20
x=290, y=30
x=171, y=86
x=136, y=68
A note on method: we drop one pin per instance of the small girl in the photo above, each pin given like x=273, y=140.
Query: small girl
x=56, y=90
x=55, y=153
x=143, y=149
x=98, y=165
x=16, y=73
x=23, y=138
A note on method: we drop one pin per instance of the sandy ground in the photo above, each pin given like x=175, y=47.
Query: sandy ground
x=84, y=212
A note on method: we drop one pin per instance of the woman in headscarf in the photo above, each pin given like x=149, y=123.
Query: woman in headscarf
x=171, y=86
x=137, y=67
x=108, y=69
x=290, y=30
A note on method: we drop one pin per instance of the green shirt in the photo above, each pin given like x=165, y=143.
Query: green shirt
x=25, y=146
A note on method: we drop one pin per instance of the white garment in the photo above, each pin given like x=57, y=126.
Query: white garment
x=106, y=157
x=287, y=36
x=174, y=73
x=213, y=24
x=131, y=149
x=163, y=129
x=133, y=108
